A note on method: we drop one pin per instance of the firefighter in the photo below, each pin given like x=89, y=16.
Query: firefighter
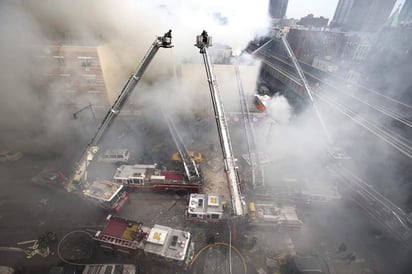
x=168, y=34
x=167, y=39
x=204, y=36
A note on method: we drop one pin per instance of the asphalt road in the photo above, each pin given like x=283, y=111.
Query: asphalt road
x=28, y=210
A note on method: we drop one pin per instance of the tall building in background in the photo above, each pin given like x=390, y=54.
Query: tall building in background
x=362, y=15
x=405, y=16
x=342, y=12
x=277, y=8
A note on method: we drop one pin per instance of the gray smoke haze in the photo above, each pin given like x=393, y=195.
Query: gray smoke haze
x=125, y=30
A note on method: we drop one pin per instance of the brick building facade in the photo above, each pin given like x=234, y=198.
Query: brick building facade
x=71, y=76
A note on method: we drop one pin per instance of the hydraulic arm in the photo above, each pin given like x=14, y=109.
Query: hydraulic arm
x=191, y=170
x=164, y=41
x=203, y=41
x=306, y=85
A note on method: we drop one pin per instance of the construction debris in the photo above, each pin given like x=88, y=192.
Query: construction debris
x=41, y=246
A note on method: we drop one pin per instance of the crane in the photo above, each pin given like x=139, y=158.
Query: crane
x=79, y=174
x=203, y=41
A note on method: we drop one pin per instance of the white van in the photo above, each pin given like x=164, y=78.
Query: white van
x=114, y=156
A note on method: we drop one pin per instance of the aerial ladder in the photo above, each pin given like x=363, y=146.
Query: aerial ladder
x=191, y=169
x=257, y=170
x=79, y=175
x=392, y=218
x=204, y=41
x=305, y=84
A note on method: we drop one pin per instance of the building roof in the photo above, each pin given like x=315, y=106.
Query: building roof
x=274, y=213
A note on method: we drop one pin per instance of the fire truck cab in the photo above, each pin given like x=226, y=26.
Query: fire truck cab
x=208, y=208
x=110, y=196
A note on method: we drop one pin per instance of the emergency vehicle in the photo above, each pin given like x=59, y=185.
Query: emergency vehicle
x=150, y=178
x=160, y=243
x=206, y=208
x=110, y=196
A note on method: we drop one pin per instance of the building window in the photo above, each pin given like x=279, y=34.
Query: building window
x=90, y=79
x=85, y=61
x=59, y=59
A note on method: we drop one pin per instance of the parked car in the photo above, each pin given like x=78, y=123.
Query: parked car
x=10, y=155
x=196, y=156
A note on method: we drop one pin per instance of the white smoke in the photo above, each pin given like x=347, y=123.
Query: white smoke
x=126, y=27
x=279, y=109
x=231, y=22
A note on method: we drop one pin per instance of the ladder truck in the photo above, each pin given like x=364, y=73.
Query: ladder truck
x=191, y=169
x=203, y=41
x=79, y=175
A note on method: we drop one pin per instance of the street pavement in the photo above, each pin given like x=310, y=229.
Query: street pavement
x=28, y=211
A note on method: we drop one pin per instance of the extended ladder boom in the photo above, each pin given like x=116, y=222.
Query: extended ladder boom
x=257, y=170
x=164, y=41
x=306, y=85
x=387, y=214
x=203, y=41
x=191, y=170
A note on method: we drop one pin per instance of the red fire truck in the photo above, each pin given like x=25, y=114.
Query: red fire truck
x=160, y=243
x=150, y=178
x=110, y=196
x=205, y=208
